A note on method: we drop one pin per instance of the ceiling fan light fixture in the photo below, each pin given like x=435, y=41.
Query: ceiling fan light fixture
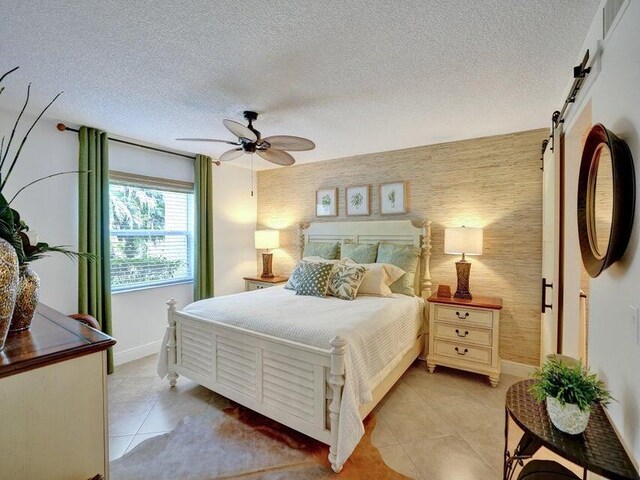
x=272, y=149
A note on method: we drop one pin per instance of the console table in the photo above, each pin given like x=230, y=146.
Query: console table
x=598, y=449
x=53, y=399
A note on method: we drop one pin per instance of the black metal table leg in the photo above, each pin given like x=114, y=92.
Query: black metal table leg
x=526, y=448
x=506, y=445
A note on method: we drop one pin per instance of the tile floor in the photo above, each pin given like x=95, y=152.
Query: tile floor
x=429, y=426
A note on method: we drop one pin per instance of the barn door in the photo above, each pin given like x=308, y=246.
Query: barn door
x=550, y=283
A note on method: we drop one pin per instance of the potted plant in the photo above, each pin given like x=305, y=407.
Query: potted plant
x=17, y=310
x=570, y=392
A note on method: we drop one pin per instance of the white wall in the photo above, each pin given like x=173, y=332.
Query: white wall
x=613, y=91
x=234, y=225
x=50, y=208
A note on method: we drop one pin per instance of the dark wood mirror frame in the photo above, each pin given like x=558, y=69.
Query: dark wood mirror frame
x=624, y=199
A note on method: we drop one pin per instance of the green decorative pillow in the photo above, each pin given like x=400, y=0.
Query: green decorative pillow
x=405, y=257
x=360, y=252
x=328, y=251
x=314, y=279
x=345, y=281
x=296, y=275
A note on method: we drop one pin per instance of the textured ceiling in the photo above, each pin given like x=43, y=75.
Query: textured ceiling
x=355, y=77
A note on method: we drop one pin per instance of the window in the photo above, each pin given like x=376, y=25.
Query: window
x=151, y=223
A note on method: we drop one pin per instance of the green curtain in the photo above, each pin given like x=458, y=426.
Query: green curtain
x=94, y=283
x=203, y=278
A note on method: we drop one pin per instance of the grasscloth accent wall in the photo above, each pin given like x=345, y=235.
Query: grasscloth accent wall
x=492, y=182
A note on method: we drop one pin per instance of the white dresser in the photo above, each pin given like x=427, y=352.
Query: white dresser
x=465, y=334
x=53, y=400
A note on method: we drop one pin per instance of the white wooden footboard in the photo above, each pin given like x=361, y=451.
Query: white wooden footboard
x=295, y=384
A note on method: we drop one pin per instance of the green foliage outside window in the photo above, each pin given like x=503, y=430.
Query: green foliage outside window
x=133, y=261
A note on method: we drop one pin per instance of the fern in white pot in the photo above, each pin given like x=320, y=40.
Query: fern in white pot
x=570, y=392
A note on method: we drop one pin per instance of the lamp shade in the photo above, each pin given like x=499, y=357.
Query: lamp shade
x=267, y=239
x=463, y=240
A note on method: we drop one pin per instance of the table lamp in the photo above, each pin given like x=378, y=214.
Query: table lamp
x=267, y=240
x=465, y=241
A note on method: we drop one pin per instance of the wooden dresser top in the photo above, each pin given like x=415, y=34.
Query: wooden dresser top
x=53, y=337
x=276, y=279
x=477, y=301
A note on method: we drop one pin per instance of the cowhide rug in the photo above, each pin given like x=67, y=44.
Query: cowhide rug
x=241, y=444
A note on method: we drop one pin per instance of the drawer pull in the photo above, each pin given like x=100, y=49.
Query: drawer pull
x=466, y=332
x=463, y=353
x=462, y=317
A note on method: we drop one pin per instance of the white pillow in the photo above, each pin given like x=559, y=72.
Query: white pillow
x=321, y=260
x=377, y=278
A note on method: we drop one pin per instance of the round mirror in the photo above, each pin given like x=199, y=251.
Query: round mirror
x=606, y=199
x=601, y=200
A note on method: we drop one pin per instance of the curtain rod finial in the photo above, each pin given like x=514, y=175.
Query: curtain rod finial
x=61, y=126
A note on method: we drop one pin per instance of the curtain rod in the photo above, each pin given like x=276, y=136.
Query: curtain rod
x=62, y=127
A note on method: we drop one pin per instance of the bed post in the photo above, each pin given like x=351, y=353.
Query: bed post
x=302, y=226
x=426, y=249
x=171, y=343
x=336, y=382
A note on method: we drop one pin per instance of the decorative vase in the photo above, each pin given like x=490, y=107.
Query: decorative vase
x=567, y=418
x=26, y=299
x=8, y=287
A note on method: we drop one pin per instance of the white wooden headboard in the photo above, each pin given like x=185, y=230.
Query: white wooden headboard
x=399, y=232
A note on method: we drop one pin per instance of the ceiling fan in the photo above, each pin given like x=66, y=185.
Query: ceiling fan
x=249, y=140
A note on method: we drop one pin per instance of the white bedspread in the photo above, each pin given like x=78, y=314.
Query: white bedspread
x=378, y=332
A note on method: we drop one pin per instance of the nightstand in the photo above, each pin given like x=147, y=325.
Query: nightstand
x=465, y=334
x=258, y=283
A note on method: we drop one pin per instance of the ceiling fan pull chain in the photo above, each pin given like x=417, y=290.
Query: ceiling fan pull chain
x=252, y=174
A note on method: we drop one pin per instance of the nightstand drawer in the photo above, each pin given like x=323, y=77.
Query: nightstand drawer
x=464, y=333
x=468, y=316
x=256, y=286
x=462, y=351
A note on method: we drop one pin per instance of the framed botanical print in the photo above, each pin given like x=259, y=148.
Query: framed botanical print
x=393, y=198
x=357, y=199
x=327, y=202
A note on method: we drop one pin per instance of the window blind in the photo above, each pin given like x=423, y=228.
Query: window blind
x=151, y=232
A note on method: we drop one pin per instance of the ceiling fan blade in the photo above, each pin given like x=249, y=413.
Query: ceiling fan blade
x=240, y=130
x=231, y=154
x=277, y=156
x=207, y=140
x=289, y=142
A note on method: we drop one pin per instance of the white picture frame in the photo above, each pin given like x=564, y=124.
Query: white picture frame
x=326, y=202
x=358, y=200
x=393, y=198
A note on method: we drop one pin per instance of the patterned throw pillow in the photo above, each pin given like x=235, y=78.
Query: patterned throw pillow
x=296, y=275
x=345, y=281
x=320, y=249
x=360, y=252
x=314, y=279
x=294, y=278
x=403, y=256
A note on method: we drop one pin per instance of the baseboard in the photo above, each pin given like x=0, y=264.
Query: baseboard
x=516, y=369
x=135, y=353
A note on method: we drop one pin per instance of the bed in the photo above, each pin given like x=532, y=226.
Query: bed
x=317, y=365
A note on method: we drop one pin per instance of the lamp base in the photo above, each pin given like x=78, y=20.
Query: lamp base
x=267, y=261
x=463, y=268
